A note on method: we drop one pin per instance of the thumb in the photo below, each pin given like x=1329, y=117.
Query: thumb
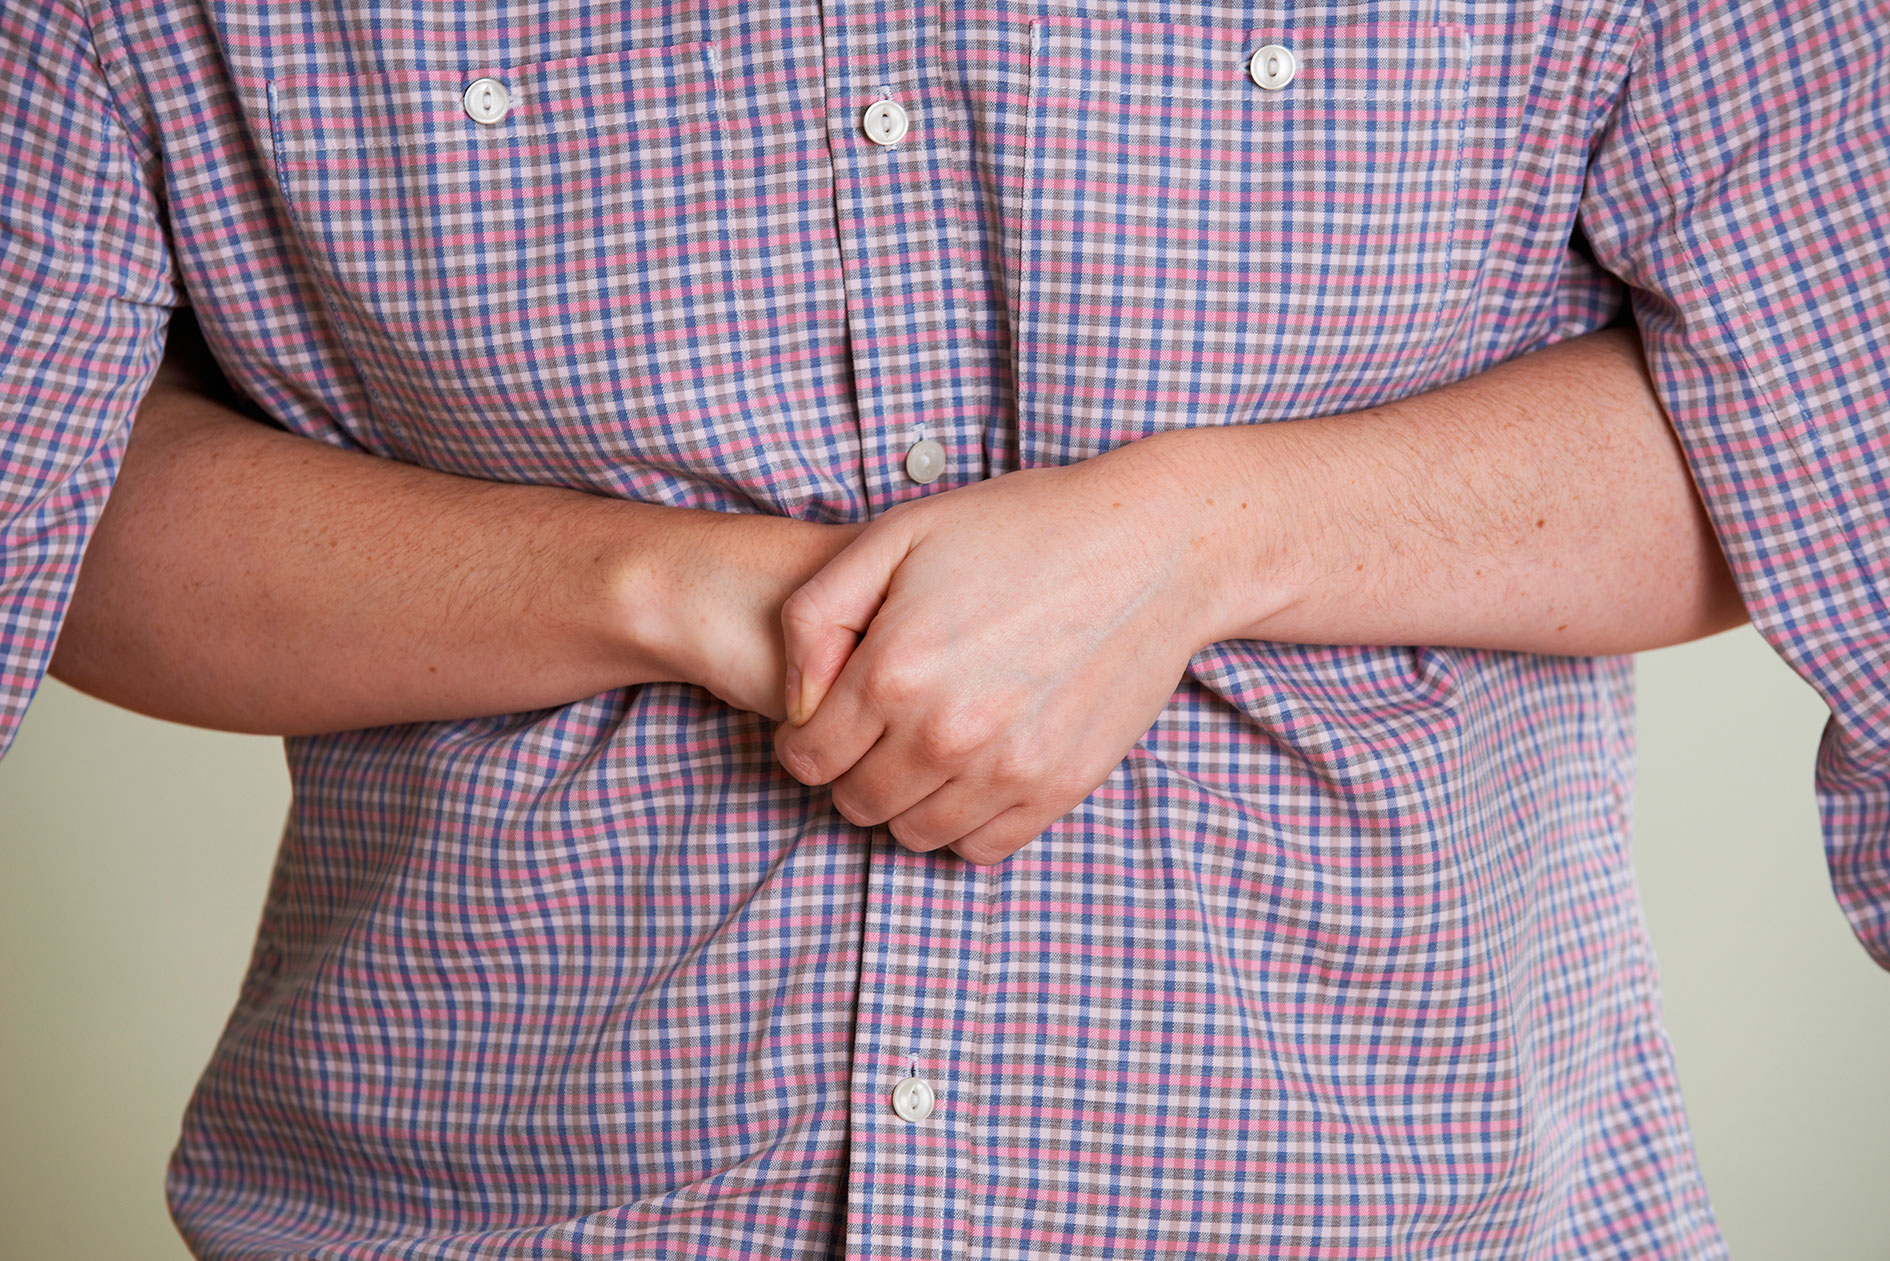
x=823, y=620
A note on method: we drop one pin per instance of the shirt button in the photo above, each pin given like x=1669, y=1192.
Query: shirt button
x=486, y=101
x=1272, y=67
x=925, y=462
x=885, y=122
x=913, y=1099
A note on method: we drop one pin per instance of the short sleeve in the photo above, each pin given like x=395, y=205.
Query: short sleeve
x=1742, y=189
x=85, y=295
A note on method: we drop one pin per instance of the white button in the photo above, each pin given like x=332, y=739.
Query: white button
x=885, y=122
x=1272, y=67
x=925, y=463
x=486, y=101
x=913, y=1099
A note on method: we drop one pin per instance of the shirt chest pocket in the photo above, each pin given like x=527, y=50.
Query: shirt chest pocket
x=533, y=266
x=1231, y=226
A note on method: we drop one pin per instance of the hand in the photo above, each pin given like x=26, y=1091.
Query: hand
x=1015, y=638
x=717, y=622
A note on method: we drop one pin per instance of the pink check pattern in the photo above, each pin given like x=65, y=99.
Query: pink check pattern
x=1343, y=961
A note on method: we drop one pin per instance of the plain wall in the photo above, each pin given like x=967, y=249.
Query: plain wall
x=133, y=857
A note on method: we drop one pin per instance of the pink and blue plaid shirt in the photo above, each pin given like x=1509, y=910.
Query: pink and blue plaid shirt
x=1343, y=960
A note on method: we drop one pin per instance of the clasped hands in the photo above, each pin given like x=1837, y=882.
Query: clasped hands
x=971, y=665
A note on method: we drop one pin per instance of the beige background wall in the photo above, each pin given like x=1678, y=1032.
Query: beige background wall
x=133, y=857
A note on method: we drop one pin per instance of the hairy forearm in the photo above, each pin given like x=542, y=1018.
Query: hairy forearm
x=251, y=580
x=1543, y=506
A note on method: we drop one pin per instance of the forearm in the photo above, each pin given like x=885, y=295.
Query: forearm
x=1543, y=506
x=252, y=580
x=978, y=661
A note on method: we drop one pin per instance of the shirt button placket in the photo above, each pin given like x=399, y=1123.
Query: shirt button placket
x=898, y=240
x=917, y=1021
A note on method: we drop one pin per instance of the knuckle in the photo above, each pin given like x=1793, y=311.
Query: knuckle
x=856, y=808
x=801, y=764
x=913, y=836
x=1025, y=763
x=1034, y=770
x=890, y=684
x=801, y=611
x=952, y=737
x=987, y=851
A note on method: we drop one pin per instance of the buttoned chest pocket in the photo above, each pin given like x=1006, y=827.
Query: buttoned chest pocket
x=1231, y=226
x=533, y=266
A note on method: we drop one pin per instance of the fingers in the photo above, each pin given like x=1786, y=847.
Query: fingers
x=871, y=696
x=955, y=680
x=968, y=817
x=956, y=809
x=1004, y=835
x=837, y=736
x=825, y=617
x=888, y=781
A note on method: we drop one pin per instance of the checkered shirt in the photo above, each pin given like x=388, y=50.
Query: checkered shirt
x=1343, y=960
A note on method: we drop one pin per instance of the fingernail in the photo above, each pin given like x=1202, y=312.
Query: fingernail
x=795, y=715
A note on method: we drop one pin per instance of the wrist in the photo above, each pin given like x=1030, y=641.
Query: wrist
x=1227, y=503
x=695, y=597
x=634, y=577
